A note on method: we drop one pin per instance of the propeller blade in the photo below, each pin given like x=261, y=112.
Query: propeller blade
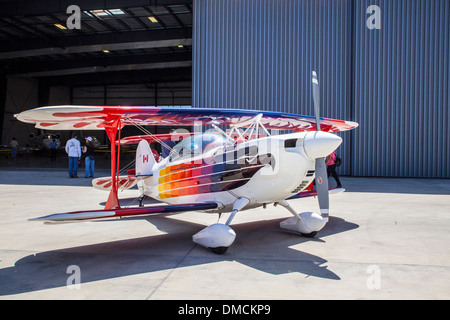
x=316, y=98
x=322, y=188
x=321, y=167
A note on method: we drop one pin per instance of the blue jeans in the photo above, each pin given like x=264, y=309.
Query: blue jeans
x=90, y=165
x=73, y=166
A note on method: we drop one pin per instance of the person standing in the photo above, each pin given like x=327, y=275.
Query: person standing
x=14, y=144
x=88, y=150
x=53, y=150
x=331, y=168
x=73, y=150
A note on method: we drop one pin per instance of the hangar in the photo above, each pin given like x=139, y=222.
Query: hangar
x=124, y=53
x=384, y=64
x=381, y=63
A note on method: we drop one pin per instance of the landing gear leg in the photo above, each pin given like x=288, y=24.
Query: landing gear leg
x=141, y=200
x=218, y=237
x=239, y=204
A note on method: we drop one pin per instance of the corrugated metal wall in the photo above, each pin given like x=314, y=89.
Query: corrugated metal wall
x=258, y=54
x=401, y=89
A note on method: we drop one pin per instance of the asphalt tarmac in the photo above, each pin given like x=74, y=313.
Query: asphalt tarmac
x=387, y=238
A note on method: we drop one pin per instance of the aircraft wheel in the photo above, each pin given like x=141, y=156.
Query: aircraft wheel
x=310, y=235
x=219, y=250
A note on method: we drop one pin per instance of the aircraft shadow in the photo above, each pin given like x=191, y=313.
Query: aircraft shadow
x=175, y=249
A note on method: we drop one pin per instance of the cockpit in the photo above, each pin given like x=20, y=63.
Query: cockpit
x=196, y=145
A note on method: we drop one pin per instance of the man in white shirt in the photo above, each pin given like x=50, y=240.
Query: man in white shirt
x=73, y=149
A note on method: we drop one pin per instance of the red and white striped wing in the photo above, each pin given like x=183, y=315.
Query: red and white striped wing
x=124, y=183
x=97, y=117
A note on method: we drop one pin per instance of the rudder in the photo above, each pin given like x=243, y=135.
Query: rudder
x=144, y=159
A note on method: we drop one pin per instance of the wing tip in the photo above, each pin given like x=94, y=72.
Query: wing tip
x=353, y=124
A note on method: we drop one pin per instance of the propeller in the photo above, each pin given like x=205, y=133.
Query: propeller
x=316, y=98
x=321, y=167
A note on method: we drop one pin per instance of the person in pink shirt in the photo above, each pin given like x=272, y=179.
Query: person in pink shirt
x=331, y=168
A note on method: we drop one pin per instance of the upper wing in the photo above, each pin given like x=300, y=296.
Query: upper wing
x=124, y=212
x=96, y=117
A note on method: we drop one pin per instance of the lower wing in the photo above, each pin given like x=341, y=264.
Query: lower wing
x=123, y=212
x=313, y=193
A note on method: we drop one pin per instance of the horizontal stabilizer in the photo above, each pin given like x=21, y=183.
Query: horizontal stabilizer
x=124, y=182
x=123, y=212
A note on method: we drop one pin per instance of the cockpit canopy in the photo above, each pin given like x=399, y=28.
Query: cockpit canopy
x=196, y=145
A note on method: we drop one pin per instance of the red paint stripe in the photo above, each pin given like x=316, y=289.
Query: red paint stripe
x=47, y=124
x=81, y=124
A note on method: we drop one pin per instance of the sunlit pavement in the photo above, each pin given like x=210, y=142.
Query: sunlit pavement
x=387, y=239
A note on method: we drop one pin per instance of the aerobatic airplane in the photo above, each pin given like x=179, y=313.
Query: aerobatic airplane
x=215, y=172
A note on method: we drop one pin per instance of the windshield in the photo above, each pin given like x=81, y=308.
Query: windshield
x=196, y=145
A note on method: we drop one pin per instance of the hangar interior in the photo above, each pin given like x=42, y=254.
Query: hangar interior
x=124, y=53
x=258, y=54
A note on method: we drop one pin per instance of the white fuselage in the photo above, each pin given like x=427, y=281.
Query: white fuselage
x=263, y=170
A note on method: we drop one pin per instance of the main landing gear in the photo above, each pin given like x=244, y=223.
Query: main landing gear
x=218, y=237
x=305, y=223
x=141, y=200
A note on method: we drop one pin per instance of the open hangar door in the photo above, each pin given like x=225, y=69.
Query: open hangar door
x=148, y=94
x=120, y=53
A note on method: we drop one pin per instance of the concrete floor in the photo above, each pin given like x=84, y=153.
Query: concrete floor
x=386, y=239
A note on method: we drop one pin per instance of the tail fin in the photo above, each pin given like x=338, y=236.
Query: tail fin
x=144, y=164
x=144, y=159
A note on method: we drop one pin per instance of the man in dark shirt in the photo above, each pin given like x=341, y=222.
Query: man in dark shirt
x=89, y=161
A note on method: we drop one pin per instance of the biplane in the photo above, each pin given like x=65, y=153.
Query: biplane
x=215, y=171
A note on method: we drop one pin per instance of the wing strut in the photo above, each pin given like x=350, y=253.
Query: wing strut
x=111, y=129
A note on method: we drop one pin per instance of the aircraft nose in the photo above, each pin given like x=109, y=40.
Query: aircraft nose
x=320, y=144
